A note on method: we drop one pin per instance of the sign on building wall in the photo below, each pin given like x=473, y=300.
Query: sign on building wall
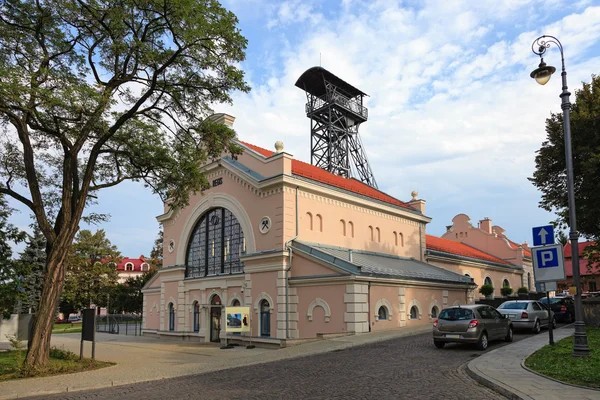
x=238, y=319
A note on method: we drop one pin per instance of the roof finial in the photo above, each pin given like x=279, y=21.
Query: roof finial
x=278, y=146
x=414, y=195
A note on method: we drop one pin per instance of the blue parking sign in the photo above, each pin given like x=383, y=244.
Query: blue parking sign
x=548, y=263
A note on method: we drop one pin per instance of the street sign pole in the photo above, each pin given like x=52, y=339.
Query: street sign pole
x=551, y=322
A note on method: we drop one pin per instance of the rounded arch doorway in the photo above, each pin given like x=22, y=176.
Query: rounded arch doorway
x=215, y=318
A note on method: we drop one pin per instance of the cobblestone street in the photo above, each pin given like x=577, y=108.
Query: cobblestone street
x=404, y=368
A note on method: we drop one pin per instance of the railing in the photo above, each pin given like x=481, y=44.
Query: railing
x=119, y=324
x=316, y=103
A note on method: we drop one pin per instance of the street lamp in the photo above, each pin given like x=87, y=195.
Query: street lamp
x=542, y=75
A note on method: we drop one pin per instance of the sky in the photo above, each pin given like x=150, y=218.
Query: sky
x=453, y=112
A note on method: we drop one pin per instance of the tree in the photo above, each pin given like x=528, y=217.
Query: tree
x=97, y=92
x=486, y=290
x=128, y=295
x=562, y=238
x=10, y=272
x=550, y=175
x=33, y=260
x=91, y=271
x=156, y=254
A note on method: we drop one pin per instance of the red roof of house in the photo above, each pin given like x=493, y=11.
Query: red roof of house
x=320, y=175
x=460, y=249
x=516, y=246
x=137, y=263
x=582, y=246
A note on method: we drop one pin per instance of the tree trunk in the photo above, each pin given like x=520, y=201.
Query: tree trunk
x=39, y=344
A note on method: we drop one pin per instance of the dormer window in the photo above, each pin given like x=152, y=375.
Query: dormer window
x=129, y=266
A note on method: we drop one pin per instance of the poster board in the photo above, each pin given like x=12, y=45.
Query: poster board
x=237, y=319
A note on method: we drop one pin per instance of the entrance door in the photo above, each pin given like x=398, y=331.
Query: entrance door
x=265, y=319
x=215, y=319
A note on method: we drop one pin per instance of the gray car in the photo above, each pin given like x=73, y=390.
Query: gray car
x=476, y=323
x=527, y=314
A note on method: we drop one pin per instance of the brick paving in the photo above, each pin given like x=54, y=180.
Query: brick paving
x=402, y=368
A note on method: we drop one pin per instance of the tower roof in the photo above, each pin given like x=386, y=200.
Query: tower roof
x=313, y=81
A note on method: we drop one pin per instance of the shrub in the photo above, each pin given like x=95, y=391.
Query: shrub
x=523, y=290
x=62, y=354
x=486, y=290
x=506, y=291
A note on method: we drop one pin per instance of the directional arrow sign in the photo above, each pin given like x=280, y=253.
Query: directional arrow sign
x=543, y=235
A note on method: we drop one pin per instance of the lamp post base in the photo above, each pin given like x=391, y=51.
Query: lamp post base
x=580, y=348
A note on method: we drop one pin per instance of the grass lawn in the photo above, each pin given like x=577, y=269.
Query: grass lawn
x=66, y=328
x=556, y=361
x=61, y=362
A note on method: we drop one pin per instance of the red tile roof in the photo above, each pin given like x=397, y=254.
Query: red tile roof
x=311, y=172
x=516, y=246
x=460, y=249
x=137, y=263
x=582, y=246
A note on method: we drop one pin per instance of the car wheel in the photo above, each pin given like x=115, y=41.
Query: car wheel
x=509, y=335
x=482, y=343
x=537, y=328
x=439, y=345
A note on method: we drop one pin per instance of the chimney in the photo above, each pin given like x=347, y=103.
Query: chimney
x=416, y=202
x=222, y=118
x=486, y=225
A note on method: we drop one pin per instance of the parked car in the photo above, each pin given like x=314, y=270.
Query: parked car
x=527, y=314
x=59, y=320
x=74, y=319
x=474, y=323
x=562, y=307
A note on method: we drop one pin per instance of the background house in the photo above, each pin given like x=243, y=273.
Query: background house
x=590, y=275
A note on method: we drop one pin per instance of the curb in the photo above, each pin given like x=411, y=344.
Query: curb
x=556, y=380
x=489, y=383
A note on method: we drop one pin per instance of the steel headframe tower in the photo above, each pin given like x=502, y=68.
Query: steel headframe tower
x=336, y=110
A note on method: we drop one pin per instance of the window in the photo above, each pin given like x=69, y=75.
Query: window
x=467, y=275
x=144, y=267
x=382, y=313
x=401, y=236
x=592, y=286
x=456, y=314
x=414, y=312
x=536, y=306
x=370, y=233
x=505, y=283
x=235, y=303
x=486, y=313
x=513, y=305
x=215, y=246
x=343, y=227
x=171, y=317
x=196, y=316
x=434, y=312
x=309, y=221
x=487, y=281
x=378, y=235
x=350, y=228
x=319, y=221
x=129, y=267
x=395, y=238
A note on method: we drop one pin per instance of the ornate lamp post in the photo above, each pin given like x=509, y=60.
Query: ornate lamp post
x=542, y=75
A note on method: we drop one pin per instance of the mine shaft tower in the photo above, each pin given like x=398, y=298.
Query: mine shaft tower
x=336, y=110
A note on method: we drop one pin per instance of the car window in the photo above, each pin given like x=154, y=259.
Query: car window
x=516, y=305
x=486, y=313
x=536, y=306
x=456, y=314
x=495, y=313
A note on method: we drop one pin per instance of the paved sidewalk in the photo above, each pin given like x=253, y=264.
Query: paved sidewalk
x=145, y=359
x=501, y=370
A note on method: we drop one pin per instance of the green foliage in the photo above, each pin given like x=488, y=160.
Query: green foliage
x=561, y=237
x=93, y=93
x=558, y=362
x=10, y=272
x=550, y=174
x=128, y=296
x=486, y=290
x=91, y=270
x=62, y=354
x=523, y=290
x=156, y=254
x=506, y=290
x=33, y=260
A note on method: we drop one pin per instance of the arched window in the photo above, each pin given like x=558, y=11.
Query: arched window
x=487, y=281
x=370, y=233
x=378, y=235
x=265, y=318
x=414, y=312
x=434, y=312
x=196, y=316
x=401, y=239
x=309, y=221
x=343, y=227
x=505, y=283
x=467, y=275
x=129, y=267
x=319, y=221
x=171, y=317
x=382, y=313
x=235, y=303
x=216, y=244
x=144, y=267
x=350, y=229
x=395, y=238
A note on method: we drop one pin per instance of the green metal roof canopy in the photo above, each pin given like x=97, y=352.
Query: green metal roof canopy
x=313, y=81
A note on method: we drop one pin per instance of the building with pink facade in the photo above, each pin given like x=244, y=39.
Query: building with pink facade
x=491, y=239
x=589, y=274
x=308, y=251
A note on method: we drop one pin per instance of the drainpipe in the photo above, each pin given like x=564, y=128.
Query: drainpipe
x=421, y=242
x=287, y=272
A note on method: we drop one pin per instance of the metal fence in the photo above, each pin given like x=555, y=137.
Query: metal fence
x=119, y=324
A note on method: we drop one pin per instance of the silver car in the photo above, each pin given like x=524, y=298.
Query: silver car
x=527, y=314
x=475, y=323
